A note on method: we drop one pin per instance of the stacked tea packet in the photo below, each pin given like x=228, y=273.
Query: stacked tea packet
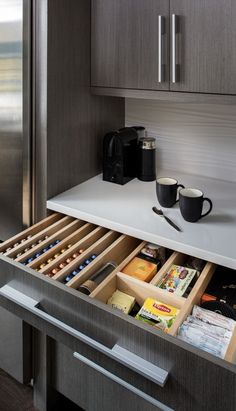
x=208, y=331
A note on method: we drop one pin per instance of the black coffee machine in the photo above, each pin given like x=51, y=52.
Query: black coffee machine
x=119, y=155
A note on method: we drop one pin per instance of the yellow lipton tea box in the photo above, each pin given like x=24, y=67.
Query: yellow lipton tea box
x=142, y=269
x=158, y=314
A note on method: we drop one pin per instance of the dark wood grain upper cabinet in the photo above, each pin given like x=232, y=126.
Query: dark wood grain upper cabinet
x=205, y=46
x=129, y=46
x=194, y=50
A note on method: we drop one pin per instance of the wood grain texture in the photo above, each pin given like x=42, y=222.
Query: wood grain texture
x=69, y=123
x=206, y=45
x=100, y=288
x=197, y=379
x=142, y=290
x=125, y=43
x=103, y=394
x=45, y=396
x=76, y=121
x=171, y=96
x=116, y=251
x=98, y=247
x=39, y=108
x=195, y=139
x=15, y=347
x=74, y=240
x=29, y=231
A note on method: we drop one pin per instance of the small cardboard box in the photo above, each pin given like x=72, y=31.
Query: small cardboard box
x=141, y=269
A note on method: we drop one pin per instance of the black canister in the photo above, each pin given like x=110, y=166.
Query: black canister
x=146, y=157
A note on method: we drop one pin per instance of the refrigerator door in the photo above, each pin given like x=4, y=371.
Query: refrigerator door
x=14, y=118
x=15, y=339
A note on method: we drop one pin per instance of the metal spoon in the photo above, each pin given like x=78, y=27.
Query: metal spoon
x=160, y=213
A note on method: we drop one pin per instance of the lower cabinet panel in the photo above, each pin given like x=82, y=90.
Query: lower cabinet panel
x=15, y=347
x=204, y=389
x=92, y=390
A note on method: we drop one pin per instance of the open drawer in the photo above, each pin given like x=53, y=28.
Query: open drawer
x=162, y=368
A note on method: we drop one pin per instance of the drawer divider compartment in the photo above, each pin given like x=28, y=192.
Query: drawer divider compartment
x=61, y=234
x=195, y=295
x=116, y=251
x=103, y=284
x=175, y=258
x=33, y=230
x=72, y=239
x=87, y=241
x=50, y=231
x=99, y=240
x=140, y=289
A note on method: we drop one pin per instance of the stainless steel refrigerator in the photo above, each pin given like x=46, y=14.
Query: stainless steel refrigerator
x=15, y=155
x=15, y=116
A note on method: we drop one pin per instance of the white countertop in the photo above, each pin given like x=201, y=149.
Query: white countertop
x=128, y=209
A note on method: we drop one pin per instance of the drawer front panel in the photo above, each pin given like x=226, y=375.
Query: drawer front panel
x=83, y=381
x=195, y=378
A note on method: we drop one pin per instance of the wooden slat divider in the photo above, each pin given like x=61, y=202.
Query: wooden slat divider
x=72, y=239
x=133, y=254
x=194, y=297
x=230, y=354
x=175, y=258
x=145, y=290
x=117, y=251
x=53, y=233
x=109, y=246
x=140, y=290
x=97, y=245
x=106, y=288
x=36, y=228
x=85, y=242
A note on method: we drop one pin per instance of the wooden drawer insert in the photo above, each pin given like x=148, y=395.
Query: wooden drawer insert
x=108, y=246
x=62, y=310
x=141, y=290
x=74, y=312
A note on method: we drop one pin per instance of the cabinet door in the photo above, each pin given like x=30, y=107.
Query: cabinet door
x=205, y=46
x=127, y=39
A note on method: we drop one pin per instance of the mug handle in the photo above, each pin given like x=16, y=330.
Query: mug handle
x=210, y=204
x=179, y=186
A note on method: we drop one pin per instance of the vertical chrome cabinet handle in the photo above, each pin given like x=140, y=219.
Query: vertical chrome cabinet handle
x=161, y=31
x=174, y=30
x=159, y=406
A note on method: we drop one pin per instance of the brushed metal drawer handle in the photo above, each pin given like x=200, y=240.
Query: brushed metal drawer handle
x=160, y=406
x=117, y=353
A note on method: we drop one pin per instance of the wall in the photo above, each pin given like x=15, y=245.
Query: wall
x=193, y=138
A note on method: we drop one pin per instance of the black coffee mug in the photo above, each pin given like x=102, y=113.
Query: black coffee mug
x=166, y=189
x=191, y=204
